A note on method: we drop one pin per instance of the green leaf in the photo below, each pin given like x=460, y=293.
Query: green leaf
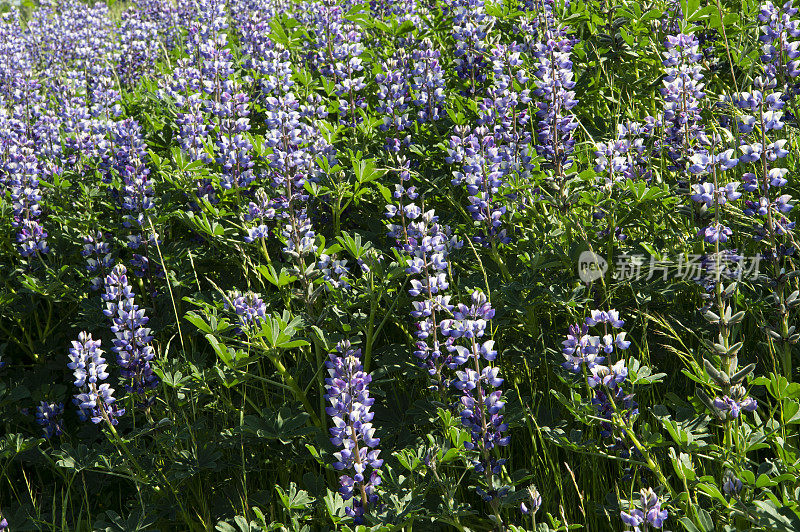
x=196, y=320
x=279, y=330
x=771, y=517
x=713, y=492
x=221, y=349
x=284, y=425
x=790, y=411
x=763, y=481
x=688, y=525
x=704, y=520
x=295, y=499
x=385, y=193
x=276, y=279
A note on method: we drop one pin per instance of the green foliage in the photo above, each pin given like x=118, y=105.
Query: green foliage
x=236, y=437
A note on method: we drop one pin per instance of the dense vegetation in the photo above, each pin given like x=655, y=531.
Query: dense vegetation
x=429, y=264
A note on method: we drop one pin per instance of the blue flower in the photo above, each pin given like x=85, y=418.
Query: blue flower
x=735, y=402
x=250, y=308
x=347, y=391
x=98, y=257
x=132, y=338
x=427, y=82
x=48, y=416
x=96, y=399
x=22, y=171
x=682, y=92
x=650, y=512
x=731, y=484
x=534, y=501
x=481, y=401
x=555, y=97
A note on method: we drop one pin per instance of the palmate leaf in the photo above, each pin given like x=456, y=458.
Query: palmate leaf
x=315, y=484
x=228, y=355
x=702, y=522
x=242, y=525
x=74, y=458
x=205, y=225
x=136, y=521
x=277, y=279
x=278, y=331
x=364, y=528
x=774, y=518
x=334, y=504
x=212, y=325
x=12, y=395
x=295, y=499
x=14, y=444
x=285, y=425
x=192, y=462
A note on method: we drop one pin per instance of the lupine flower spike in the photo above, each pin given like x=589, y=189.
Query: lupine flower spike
x=132, y=342
x=348, y=394
x=48, y=416
x=481, y=401
x=96, y=398
x=648, y=514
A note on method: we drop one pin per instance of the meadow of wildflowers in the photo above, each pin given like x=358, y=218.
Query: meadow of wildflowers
x=470, y=265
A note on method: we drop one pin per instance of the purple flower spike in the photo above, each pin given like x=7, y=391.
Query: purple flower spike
x=427, y=82
x=481, y=401
x=426, y=246
x=554, y=94
x=48, y=416
x=736, y=402
x=22, y=171
x=132, y=342
x=96, y=400
x=731, y=484
x=682, y=92
x=649, y=514
x=534, y=502
x=348, y=394
x=98, y=258
x=250, y=308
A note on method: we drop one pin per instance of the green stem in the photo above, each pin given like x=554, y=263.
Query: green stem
x=499, y=260
x=320, y=379
x=298, y=392
x=120, y=443
x=337, y=217
x=373, y=308
x=787, y=347
x=651, y=464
